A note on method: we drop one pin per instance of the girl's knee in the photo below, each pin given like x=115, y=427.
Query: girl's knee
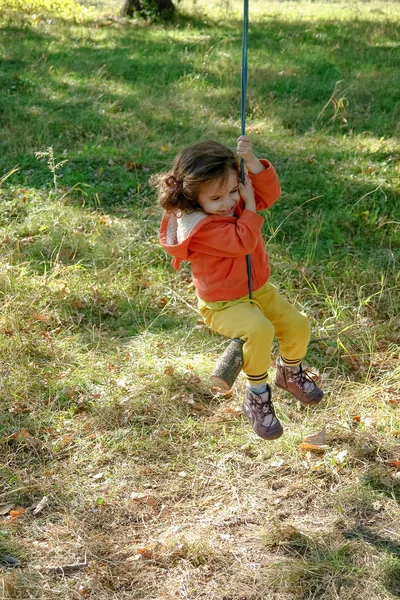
x=262, y=331
x=301, y=327
x=304, y=324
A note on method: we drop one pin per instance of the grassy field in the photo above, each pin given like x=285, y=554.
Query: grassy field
x=155, y=487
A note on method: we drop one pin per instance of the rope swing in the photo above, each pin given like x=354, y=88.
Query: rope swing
x=231, y=362
x=245, y=53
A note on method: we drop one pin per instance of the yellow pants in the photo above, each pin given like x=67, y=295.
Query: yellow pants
x=256, y=322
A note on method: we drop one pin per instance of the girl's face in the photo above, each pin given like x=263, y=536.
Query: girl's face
x=217, y=198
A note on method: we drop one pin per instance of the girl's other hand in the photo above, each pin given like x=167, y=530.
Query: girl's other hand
x=247, y=194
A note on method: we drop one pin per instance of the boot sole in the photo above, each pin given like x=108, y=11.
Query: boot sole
x=271, y=438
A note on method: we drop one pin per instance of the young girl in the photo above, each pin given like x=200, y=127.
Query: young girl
x=211, y=220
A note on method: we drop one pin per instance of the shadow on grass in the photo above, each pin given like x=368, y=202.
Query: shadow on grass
x=100, y=97
x=320, y=567
x=112, y=95
x=362, y=532
x=391, y=490
x=391, y=567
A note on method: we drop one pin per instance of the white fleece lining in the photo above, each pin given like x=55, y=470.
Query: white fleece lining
x=172, y=227
x=180, y=228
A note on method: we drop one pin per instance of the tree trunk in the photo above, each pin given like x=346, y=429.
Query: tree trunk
x=162, y=8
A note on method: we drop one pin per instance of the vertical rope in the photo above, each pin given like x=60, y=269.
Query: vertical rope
x=245, y=48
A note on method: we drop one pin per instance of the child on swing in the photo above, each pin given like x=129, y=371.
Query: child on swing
x=211, y=220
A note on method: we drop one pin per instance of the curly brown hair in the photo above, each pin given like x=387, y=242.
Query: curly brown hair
x=179, y=189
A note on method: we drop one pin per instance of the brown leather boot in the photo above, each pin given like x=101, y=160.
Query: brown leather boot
x=298, y=382
x=260, y=411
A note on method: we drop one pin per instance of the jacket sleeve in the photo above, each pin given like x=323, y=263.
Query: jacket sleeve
x=228, y=238
x=266, y=186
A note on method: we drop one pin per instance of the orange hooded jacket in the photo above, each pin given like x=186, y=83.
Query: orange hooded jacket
x=216, y=246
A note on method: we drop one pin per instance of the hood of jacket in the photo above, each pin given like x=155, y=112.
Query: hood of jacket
x=176, y=232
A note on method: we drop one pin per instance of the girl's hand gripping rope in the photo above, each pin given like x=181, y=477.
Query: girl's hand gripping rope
x=247, y=194
x=245, y=151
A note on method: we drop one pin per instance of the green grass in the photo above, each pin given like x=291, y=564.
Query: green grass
x=105, y=406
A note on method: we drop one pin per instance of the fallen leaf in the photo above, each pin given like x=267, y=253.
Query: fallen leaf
x=146, y=552
x=392, y=396
x=277, y=463
x=138, y=496
x=34, y=443
x=124, y=417
x=77, y=303
x=312, y=447
x=394, y=463
x=66, y=439
x=41, y=317
x=341, y=456
x=393, y=401
x=226, y=414
x=145, y=498
x=386, y=481
x=199, y=406
x=233, y=410
x=318, y=466
x=5, y=508
x=41, y=505
x=18, y=407
x=133, y=166
x=151, y=501
x=27, y=240
x=192, y=378
x=84, y=591
x=15, y=514
x=14, y=436
x=318, y=439
x=355, y=363
x=367, y=421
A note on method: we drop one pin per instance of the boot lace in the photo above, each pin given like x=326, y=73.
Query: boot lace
x=304, y=379
x=264, y=406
